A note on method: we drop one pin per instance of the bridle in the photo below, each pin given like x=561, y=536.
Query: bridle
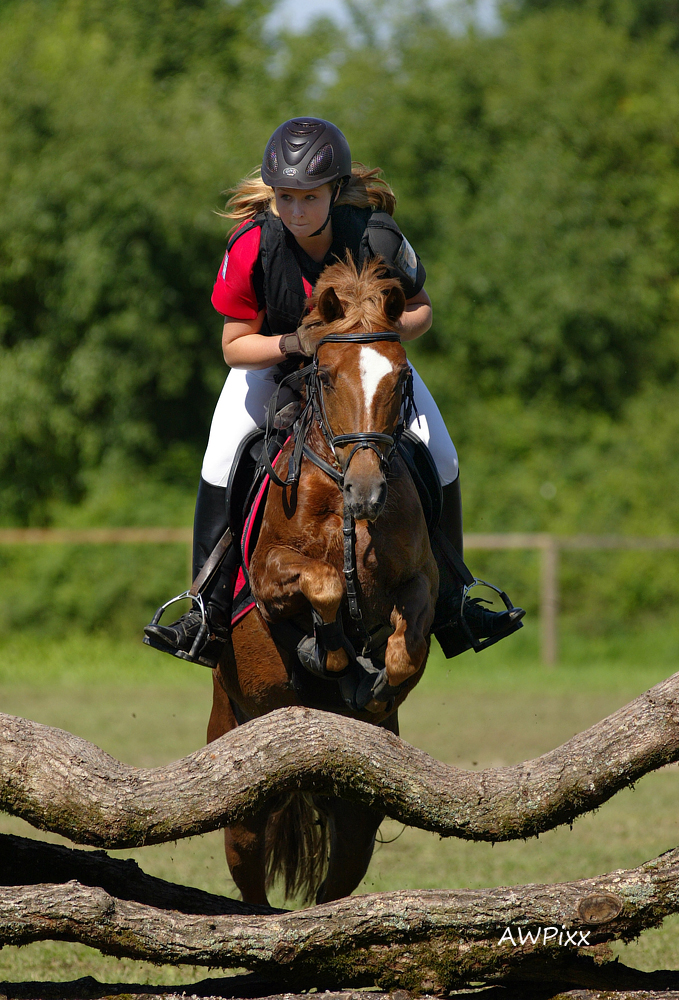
x=315, y=411
x=361, y=440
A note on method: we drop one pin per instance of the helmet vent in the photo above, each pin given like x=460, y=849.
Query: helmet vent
x=321, y=161
x=272, y=158
x=304, y=128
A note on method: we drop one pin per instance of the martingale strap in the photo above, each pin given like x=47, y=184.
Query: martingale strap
x=349, y=567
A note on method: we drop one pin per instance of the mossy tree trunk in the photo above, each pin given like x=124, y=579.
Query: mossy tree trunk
x=425, y=941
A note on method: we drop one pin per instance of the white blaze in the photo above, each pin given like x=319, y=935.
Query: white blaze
x=374, y=366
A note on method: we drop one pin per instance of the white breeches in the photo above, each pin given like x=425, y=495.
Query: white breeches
x=242, y=407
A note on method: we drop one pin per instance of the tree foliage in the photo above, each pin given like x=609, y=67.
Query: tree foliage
x=117, y=137
x=536, y=170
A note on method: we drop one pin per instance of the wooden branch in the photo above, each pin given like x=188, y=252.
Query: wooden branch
x=642, y=994
x=428, y=941
x=24, y=861
x=62, y=783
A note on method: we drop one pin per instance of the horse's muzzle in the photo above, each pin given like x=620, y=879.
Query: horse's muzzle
x=365, y=502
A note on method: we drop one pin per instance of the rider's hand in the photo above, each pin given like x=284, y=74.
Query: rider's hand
x=298, y=342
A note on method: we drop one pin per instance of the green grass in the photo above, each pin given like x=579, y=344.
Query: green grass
x=476, y=711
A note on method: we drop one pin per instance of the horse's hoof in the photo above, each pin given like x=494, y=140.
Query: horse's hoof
x=358, y=690
x=313, y=659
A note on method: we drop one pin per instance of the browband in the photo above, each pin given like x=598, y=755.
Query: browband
x=358, y=338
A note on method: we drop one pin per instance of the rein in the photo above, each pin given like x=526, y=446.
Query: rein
x=314, y=410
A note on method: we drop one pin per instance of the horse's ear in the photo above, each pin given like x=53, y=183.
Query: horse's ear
x=394, y=303
x=329, y=306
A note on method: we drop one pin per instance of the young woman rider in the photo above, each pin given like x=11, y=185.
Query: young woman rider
x=306, y=211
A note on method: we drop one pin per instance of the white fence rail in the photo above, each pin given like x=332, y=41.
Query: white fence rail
x=549, y=546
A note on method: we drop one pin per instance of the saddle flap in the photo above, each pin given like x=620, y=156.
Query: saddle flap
x=253, y=481
x=425, y=476
x=247, y=475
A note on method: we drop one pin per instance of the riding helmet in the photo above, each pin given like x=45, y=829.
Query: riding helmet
x=305, y=153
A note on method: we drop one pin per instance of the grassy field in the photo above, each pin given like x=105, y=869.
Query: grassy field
x=476, y=711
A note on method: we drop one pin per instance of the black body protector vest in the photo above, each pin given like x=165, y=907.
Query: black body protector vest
x=277, y=276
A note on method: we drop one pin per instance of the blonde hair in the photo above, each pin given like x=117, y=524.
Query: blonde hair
x=365, y=189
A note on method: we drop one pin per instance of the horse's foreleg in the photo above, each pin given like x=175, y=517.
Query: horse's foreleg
x=411, y=619
x=284, y=580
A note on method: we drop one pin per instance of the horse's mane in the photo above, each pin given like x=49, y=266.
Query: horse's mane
x=362, y=295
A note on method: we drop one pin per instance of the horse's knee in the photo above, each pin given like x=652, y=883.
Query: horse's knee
x=322, y=587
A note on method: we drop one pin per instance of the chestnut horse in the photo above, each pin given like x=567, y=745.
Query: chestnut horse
x=350, y=473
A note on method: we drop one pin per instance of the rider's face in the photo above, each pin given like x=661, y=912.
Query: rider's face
x=303, y=212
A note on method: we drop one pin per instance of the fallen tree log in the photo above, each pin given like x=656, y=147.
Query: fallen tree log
x=247, y=987
x=426, y=941
x=241, y=988
x=62, y=783
x=24, y=861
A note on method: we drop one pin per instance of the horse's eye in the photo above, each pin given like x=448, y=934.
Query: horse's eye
x=323, y=377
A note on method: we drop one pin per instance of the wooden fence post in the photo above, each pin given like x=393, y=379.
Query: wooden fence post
x=549, y=600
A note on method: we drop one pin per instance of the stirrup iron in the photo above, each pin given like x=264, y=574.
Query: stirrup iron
x=478, y=645
x=201, y=635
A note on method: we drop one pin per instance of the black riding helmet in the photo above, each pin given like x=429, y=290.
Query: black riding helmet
x=305, y=153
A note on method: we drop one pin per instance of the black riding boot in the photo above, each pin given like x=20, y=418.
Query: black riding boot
x=210, y=523
x=448, y=626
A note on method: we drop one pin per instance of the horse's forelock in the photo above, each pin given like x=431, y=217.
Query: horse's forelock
x=362, y=294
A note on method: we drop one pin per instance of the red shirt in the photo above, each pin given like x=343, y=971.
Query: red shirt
x=234, y=293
